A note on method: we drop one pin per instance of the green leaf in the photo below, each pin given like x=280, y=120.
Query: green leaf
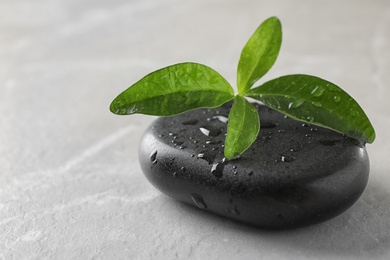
x=259, y=54
x=243, y=127
x=173, y=90
x=316, y=101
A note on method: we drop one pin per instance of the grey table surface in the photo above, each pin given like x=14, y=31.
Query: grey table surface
x=70, y=183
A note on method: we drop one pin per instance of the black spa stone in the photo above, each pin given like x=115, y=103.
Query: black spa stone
x=295, y=174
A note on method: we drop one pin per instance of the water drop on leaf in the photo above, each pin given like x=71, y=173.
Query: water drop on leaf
x=310, y=118
x=295, y=104
x=318, y=91
x=317, y=104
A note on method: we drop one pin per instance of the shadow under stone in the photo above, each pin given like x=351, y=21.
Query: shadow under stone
x=362, y=230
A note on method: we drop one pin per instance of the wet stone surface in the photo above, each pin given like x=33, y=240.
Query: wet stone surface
x=295, y=174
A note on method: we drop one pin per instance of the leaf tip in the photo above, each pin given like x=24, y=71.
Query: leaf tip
x=117, y=107
x=371, y=138
x=274, y=19
x=113, y=107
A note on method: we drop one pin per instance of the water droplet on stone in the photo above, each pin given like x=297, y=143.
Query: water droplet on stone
x=317, y=91
x=191, y=122
x=213, y=141
x=217, y=169
x=210, y=131
x=329, y=142
x=174, y=174
x=198, y=201
x=268, y=124
x=305, y=125
x=236, y=211
x=207, y=157
x=284, y=158
x=153, y=157
x=267, y=137
x=223, y=119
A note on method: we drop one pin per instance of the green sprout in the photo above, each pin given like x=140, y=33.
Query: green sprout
x=186, y=86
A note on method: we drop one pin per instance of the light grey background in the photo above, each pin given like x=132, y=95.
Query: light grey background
x=70, y=183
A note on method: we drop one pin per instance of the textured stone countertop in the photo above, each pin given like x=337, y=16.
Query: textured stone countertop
x=70, y=183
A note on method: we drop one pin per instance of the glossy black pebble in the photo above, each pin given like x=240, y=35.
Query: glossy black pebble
x=294, y=175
